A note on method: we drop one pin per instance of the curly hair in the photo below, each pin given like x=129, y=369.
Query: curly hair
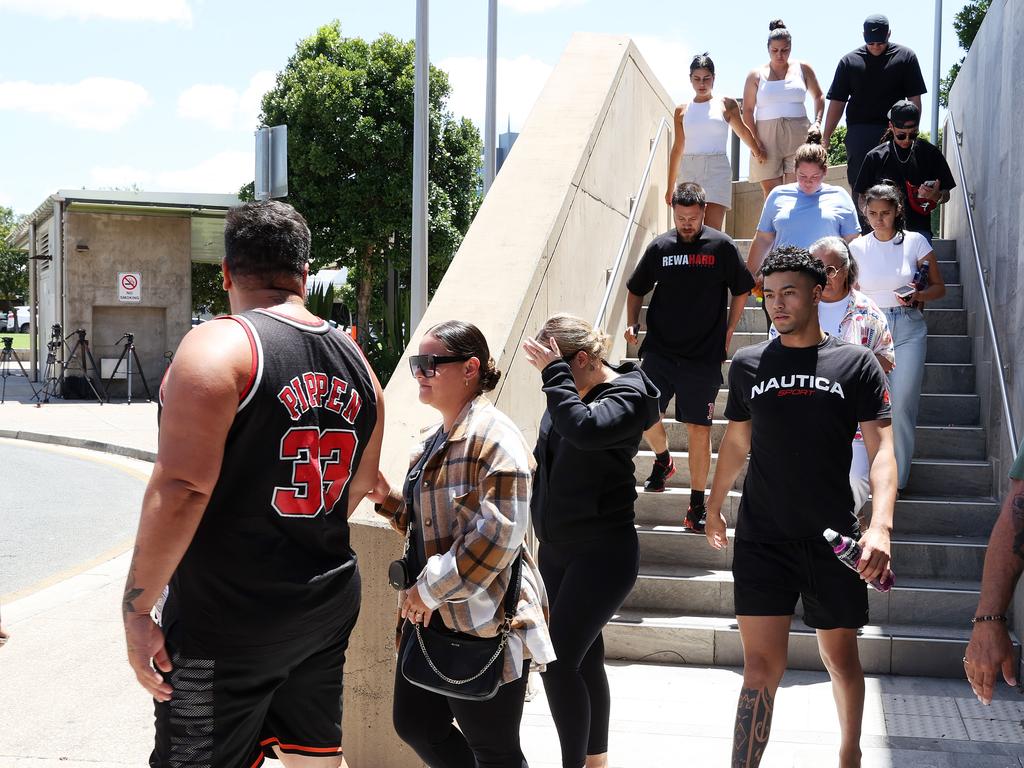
x=790, y=258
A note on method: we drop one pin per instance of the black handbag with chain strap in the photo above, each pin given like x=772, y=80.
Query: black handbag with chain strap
x=457, y=664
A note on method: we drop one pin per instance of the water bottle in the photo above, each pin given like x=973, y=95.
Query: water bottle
x=921, y=277
x=848, y=552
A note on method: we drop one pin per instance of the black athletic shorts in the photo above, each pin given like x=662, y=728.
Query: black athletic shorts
x=769, y=576
x=231, y=710
x=694, y=386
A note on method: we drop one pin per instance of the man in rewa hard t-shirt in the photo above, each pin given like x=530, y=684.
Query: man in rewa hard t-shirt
x=690, y=268
x=794, y=404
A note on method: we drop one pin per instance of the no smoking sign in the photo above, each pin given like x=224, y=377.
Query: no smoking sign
x=129, y=287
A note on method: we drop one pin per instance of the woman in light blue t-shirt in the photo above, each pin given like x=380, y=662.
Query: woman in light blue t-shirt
x=805, y=211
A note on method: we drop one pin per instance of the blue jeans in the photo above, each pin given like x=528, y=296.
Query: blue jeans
x=910, y=336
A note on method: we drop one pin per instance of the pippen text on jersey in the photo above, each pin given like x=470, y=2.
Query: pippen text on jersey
x=314, y=389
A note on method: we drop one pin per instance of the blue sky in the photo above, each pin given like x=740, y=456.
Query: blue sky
x=165, y=93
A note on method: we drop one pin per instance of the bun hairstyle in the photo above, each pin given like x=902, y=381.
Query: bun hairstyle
x=702, y=61
x=812, y=151
x=777, y=31
x=462, y=338
x=888, y=191
x=574, y=335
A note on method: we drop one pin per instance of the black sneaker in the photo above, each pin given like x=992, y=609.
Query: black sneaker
x=659, y=474
x=695, y=518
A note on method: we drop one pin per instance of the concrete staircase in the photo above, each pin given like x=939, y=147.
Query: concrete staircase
x=681, y=609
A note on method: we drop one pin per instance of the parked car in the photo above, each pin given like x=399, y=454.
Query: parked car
x=17, y=320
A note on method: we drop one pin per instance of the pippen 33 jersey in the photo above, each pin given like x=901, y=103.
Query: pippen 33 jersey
x=271, y=554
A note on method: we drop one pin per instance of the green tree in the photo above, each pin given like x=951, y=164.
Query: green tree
x=208, y=289
x=966, y=24
x=837, y=146
x=348, y=104
x=13, y=263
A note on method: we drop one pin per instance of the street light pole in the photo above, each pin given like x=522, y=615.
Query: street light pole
x=936, y=72
x=420, y=144
x=490, y=119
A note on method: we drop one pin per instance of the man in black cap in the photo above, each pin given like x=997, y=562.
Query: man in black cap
x=872, y=79
x=918, y=168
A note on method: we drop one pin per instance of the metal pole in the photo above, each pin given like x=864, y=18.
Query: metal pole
x=735, y=148
x=420, y=144
x=936, y=73
x=33, y=300
x=490, y=118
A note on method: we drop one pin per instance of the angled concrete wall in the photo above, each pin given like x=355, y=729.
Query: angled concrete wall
x=987, y=104
x=543, y=241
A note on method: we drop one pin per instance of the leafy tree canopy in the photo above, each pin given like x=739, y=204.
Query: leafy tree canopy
x=13, y=264
x=966, y=24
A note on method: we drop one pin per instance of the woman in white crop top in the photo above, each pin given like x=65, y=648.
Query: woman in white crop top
x=701, y=132
x=773, y=103
x=891, y=263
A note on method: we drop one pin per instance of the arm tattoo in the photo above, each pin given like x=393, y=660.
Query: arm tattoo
x=1017, y=515
x=131, y=592
x=753, y=724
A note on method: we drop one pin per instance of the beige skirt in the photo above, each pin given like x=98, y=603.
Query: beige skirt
x=713, y=172
x=781, y=138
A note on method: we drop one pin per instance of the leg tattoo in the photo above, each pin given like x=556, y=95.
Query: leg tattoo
x=1017, y=505
x=753, y=724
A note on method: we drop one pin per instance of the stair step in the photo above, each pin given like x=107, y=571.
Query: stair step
x=914, y=556
x=950, y=477
x=932, y=515
x=934, y=442
x=897, y=649
x=946, y=320
x=949, y=409
x=668, y=588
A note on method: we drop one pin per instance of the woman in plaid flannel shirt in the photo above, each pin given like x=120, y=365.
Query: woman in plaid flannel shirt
x=469, y=488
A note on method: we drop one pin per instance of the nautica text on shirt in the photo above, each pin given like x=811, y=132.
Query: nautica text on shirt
x=797, y=384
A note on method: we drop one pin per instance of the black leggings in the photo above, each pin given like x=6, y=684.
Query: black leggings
x=489, y=735
x=586, y=583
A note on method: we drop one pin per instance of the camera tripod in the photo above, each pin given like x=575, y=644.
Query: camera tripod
x=7, y=354
x=51, y=379
x=127, y=355
x=81, y=346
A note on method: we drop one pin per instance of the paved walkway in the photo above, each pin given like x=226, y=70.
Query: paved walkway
x=68, y=699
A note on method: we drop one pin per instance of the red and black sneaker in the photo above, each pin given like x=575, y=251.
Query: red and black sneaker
x=659, y=474
x=696, y=517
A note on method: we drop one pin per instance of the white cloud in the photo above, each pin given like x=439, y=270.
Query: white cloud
x=223, y=107
x=520, y=81
x=119, y=10
x=540, y=6
x=95, y=103
x=669, y=60
x=222, y=173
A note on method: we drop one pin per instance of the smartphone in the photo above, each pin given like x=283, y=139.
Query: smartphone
x=904, y=292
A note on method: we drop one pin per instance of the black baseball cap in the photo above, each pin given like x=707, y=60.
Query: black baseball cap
x=876, y=28
x=904, y=113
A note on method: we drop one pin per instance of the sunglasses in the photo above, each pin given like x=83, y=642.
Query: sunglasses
x=904, y=135
x=427, y=364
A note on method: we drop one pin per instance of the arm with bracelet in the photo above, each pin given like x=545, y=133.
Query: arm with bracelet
x=990, y=651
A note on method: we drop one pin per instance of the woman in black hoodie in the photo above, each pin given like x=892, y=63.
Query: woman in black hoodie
x=582, y=508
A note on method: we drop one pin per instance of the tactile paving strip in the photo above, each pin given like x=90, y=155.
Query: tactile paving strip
x=925, y=727
x=1006, y=731
x=929, y=706
x=997, y=710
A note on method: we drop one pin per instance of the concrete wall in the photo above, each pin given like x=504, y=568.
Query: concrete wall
x=988, y=107
x=156, y=246
x=542, y=242
x=748, y=200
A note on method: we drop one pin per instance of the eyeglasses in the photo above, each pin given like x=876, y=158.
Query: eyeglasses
x=427, y=364
x=831, y=272
x=904, y=135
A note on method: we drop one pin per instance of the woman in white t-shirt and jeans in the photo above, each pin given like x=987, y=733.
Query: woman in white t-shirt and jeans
x=889, y=259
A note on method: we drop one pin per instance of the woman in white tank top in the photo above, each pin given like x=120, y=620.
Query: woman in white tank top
x=701, y=132
x=773, y=104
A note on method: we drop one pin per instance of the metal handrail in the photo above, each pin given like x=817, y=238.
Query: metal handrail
x=630, y=221
x=1007, y=415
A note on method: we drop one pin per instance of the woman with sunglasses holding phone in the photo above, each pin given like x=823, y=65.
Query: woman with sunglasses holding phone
x=919, y=168
x=465, y=509
x=583, y=495
x=898, y=271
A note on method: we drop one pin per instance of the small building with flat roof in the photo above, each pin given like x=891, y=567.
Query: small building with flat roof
x=116, y=262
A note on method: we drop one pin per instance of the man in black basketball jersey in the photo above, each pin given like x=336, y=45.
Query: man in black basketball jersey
x=269, y=437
